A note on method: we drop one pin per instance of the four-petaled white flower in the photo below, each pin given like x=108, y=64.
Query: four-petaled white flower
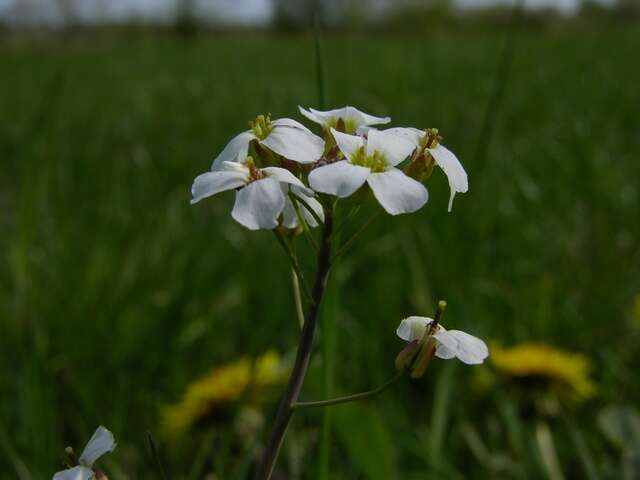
x=259, y=199
x=283, y=136
x=352, y=118
x=444, y=158
x=101, y=442
x=449, y=343
x=372, y=160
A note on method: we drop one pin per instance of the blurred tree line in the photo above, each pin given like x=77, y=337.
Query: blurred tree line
x=190, y=16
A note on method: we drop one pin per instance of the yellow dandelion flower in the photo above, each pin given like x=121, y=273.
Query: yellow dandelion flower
x=537, y=364
x=219, y=387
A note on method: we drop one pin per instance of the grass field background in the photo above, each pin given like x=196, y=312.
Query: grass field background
x=115, y=293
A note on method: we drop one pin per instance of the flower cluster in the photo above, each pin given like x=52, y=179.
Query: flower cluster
x=277, y=166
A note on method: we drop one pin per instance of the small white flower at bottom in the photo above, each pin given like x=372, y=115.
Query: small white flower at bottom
x=449, y=343
x=101, y=442
x=259, y=198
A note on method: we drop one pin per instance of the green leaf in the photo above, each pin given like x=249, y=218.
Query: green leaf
x=367, y=441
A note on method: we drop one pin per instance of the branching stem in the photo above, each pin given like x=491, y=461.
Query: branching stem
x=349, y=398
x=303, y=355
x=294, y=263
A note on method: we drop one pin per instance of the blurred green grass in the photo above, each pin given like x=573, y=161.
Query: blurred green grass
x=115, y=293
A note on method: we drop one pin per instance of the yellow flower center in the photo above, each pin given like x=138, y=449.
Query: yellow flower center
x=345, y=126
x=261, y=126
x=376, y=161
x=431, y=138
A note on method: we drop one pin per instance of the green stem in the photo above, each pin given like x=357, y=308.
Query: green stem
x=349, y=398
x=296, y=296
x=303, y=355
x=294, y=262
x=349, y=243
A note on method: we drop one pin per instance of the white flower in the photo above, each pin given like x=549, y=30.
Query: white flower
x=259, y=198
x=449, y=343
x=289, y=217
x=372, y=160
x=101, y=442
x=444, y=158
x=351, y=116
x=283, y=136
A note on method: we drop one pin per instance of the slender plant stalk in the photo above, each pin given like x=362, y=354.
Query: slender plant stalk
x=303, y=355
x=294, y=263
x=350, y=398
x=296, y=297
x=349, y=243
x=329, y=340
x=329, y=316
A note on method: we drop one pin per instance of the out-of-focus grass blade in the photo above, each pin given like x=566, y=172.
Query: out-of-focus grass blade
x=152, y=445
x=367, y=441
x=440, y=411
x=586, y=457
x=22, y=473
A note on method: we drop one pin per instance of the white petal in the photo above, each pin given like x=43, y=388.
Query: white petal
x=408, y=133
x=236, y=148
x=347, y=114
x=101, y=442
x=394, y=148
x=413, y=328
x=75, y=473
x=443, y=352
x=372, y=120
x=396, y=192
x=290, y=122
x=259, y=204
x=311, y=115
x=454, y=170
x=289, y=217
x=235, y=166
x=211, y=183
x=340, y=178
x=348, y=144
x=285, y=176
x=294, y=143
x=465, y=347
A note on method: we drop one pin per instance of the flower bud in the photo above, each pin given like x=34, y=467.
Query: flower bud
x=424, y=358
x=100, y=475
x=406, y=355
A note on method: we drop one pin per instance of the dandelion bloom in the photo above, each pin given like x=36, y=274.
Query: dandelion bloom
x=554, y=370
x=220, y=387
